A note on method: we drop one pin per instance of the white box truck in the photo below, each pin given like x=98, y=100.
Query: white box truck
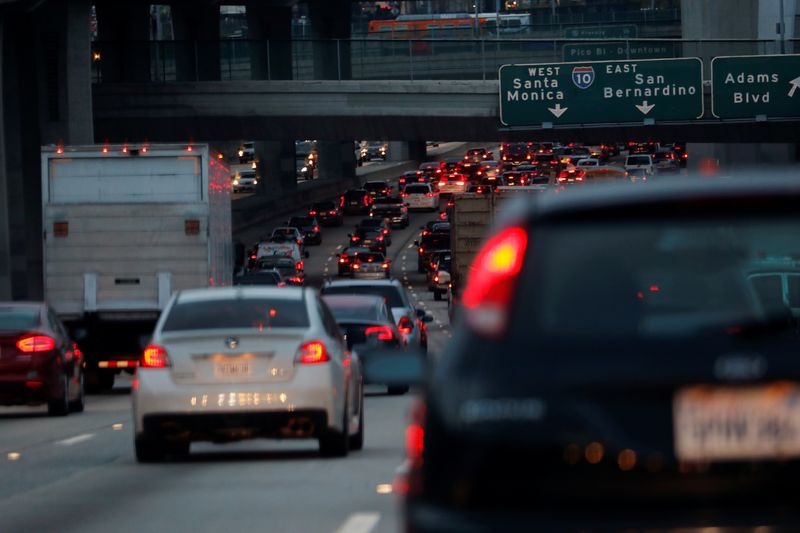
x=124, y=227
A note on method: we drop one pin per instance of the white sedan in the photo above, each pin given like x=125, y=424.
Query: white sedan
x=421, y=196
x=227, y=364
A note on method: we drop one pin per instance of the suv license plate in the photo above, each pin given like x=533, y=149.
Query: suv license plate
x=737, y=423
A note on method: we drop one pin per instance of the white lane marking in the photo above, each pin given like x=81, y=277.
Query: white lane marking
x=422, y=304
x=404, y=257
x=410, y=246
x=330, y=258
x=75, y=440
x=359, y=523
x=403, y=268
x=339, y=247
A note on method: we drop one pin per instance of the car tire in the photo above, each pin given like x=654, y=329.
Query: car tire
x=397, y=390
x=437, y=296
x=60, y=406
x=356, y=441
x=334, y=443
x=77, y=405
x=149, y=449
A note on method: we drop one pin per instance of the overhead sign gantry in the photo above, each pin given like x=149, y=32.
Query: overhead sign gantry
x=755, y=87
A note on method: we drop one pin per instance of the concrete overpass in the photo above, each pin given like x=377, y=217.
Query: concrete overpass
x=334, y=110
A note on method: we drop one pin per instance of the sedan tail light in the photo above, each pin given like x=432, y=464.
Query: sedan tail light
x=36, y=343
x=312, y=352
x=312, y=213
x=492, y=281
x=409, y=478
x=155, y=356
x=382, y=333
x=385, y=266
x=406, y=325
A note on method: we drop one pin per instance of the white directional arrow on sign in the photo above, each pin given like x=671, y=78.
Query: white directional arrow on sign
x=795, y=83
x=644, y=108
x=558, y=110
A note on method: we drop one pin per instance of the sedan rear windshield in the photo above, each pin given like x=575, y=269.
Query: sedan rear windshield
x=388, y=292
x=639, y=160
x=18, y=318
x=255, y=313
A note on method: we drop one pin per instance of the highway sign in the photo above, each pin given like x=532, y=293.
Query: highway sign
x=625, y=31
x=597, y=92
x=603, y=51
x=749, y=86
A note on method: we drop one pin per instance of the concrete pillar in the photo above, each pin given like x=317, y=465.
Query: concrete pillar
x=271, y=29
x=197, y=53
x=20, y=192
x=337, y=160
x=276, y=166
x=123, y=32
x=5, y=205
x=407, y=151
x=330, y=27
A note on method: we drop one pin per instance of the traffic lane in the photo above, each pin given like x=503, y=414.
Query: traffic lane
x=259, y=485
x=37, y=450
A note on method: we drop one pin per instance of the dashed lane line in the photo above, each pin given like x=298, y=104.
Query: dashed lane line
x=359, y=523
x=75, y=440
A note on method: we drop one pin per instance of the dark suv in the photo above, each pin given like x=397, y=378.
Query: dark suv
x=356, y=202
x=427, y=244
x=613, y=370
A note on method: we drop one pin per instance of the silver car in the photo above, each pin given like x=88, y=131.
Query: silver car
x=370, y=265
x=227, y=364
x=411, y=321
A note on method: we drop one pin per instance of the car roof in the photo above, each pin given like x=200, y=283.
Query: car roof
x=250, y=291
x=363, y=282
x=353, y=300
x=685, y=191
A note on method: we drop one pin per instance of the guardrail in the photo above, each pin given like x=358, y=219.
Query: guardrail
x=377, y=59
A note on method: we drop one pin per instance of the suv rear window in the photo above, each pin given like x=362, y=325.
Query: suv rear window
x=417, y=189
x=246, y=313
x=355, y=195
x=638, y=160
x=436, y=241
x=16, y=318
x=390, y=293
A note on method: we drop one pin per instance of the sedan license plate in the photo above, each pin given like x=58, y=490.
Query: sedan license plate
x=730, y=424
x=232, y=369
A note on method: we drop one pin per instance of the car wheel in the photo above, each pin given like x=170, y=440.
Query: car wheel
x=60, y=406
x=357, y=440
x=77, y=405
x=437, y=296
x=149, y=449
x=335, y=443
x=397, y=390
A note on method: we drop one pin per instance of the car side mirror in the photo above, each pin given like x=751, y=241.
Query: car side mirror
x=420, y=313
x=427, y=318
x=350, y=235
x=338, y=255
x=306, y=254
x=416, y=243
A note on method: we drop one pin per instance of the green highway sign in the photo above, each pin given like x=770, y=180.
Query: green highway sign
x=602, y=51
x=597, y=92
x=626, y=31
x=749, y=86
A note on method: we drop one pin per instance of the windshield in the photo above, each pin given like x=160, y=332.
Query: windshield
x=248, y=313
x=658, y=279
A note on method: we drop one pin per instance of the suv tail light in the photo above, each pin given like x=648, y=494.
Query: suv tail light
x=312, y=352
x=155, y=356
x=382, y=333
x=492, y=280
x=36, y=343
x=406, y=325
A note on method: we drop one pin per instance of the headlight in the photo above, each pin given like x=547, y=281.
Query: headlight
x=236, y=182
x=255, y=182
x=304, y=169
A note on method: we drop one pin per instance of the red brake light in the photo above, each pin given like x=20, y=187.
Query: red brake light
x=356, y=266
x=366, y=200
x=312, y=213
x=355, y=238
x=385, y=266
x=406, y=325
x=386, y=232
x=155, y=356
x=300, y=265
x=312, y=352
x=332, y=212
x=382, y=333
x=316, y=228
x=341, y=201
x=491, y=284
x=36, y=343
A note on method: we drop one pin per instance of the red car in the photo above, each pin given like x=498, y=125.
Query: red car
x=39, y=363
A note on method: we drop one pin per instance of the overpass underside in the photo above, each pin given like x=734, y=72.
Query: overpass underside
x=335, y=110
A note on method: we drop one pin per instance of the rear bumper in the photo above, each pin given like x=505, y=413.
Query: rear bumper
x=18, y=390
x=370, y=275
